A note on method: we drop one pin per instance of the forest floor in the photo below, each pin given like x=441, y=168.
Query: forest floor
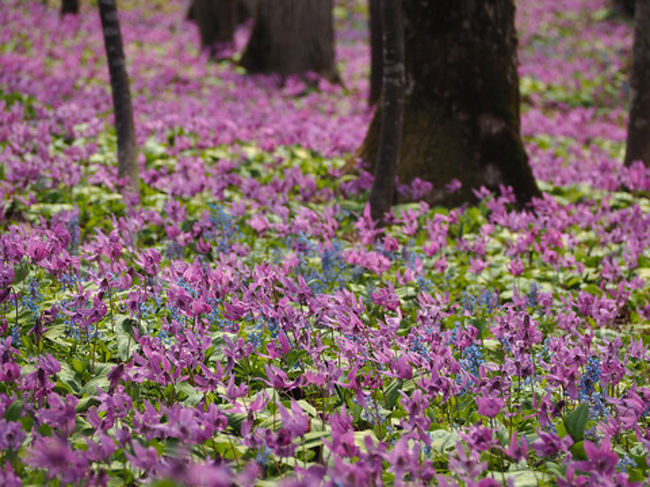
x=245, y=322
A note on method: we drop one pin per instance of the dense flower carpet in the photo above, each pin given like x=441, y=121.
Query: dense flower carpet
x=246, y=323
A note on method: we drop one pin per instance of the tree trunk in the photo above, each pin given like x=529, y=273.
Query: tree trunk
x=382, y=193
x=127, y=149
x=245, y=10
x=461, y=114
x=216, y=20
x=292, y=37
x=376, y=52
x=638, y=129
x=69, y=7
x=626, y=6
x=191, y=14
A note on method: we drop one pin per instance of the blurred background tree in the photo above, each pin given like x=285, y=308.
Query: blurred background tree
x=461, y=112
x=638, y=129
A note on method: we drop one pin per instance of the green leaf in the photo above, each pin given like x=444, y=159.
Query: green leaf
x=392, y=394
x=193, y=396
x=442, y=441
x=77, y=365
x=314, y=439
x=576, y=422
x=125, y=334
x=84, y=404
x=525, y=478
x=578, y=451
x=12, y=413
x=20, y=271
x=360, y=438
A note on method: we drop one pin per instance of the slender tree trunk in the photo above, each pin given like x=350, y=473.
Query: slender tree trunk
x=292, y=37
x=461, y=113
x=382, y=193
x=376, y=51
x=638, y=129
x=127, y=149
x=216, y=20
x=69, y=7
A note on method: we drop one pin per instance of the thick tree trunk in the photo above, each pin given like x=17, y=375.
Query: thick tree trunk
x=638, y=129
x=382, y=193
x=69, y=7
x=245, y=10
x=190, y=14
x=292, y=37
x=216, y=20
x=376, y=51
x=461, y=115
x=127, y=149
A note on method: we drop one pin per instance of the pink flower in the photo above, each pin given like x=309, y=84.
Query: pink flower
x=297, y=422
x=489, y=406
x=258, y=223
x=453, y=186
x=55, y=456
x=516, y=267
x=602, y=460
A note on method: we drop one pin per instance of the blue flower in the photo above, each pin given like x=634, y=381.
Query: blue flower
x=532, y=295
x=590, y=378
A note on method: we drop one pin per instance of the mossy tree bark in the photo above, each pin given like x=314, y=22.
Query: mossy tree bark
x=127, y=149
x=292, y=37
x=461, y=114
x=382, y=193
x=376, y=51
x=69, y=7
x=638, y=129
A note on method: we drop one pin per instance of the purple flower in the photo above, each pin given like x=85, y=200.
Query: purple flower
x=402, y=459
x=148, y=259
x=489, y=406
x=468, y=466
x=54, y=455
x=479, y=438
x=8, y=478
x=11, y=435
x=297, y=422
x=602, y=460
x=549, y=444
x=517, y=449
x=60, y=414
x=144, y=458
x=102, y=450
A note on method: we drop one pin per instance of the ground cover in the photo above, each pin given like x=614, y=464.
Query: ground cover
x=247, y=323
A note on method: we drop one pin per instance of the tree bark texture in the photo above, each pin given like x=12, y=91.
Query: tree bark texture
x=69, y=7
x=382, y=193
x=292, y=37
x=245, y=10
x=216, y=20
x=461, y=113
x=127, y=149
x=376, y=52
x=638, y=129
